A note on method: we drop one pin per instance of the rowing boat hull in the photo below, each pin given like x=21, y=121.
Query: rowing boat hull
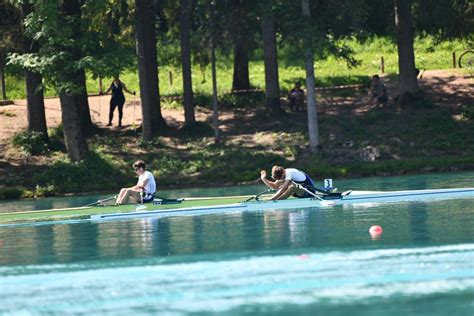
x=355, y=197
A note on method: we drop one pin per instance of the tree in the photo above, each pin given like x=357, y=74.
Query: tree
x=445, y=18
x=34, y=88
x=215, y=114
x=407, y=81
x=153, y=122
x=272, y=85
x=184, y=21
x=70, y=14
x=313, y=130
x=10, y=26
x=240, y=36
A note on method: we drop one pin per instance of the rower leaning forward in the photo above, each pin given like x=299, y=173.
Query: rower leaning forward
x=286, y=183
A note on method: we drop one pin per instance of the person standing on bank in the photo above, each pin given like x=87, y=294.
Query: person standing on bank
x=143, y=191
x=118, y=99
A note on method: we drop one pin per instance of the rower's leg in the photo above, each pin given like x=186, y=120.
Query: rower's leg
x=128, y=195
x=291, y=189
x=134, y=196
x=120, y=196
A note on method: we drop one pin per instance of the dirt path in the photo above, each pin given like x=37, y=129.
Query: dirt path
x=448, y=87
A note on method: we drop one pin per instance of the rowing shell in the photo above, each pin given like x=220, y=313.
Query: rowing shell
x=349, y=197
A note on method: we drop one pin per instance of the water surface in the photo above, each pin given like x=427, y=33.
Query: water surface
x=304, y=261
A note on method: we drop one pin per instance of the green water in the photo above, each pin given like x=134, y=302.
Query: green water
x=307, y=261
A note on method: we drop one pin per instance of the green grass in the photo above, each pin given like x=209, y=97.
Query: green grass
x=428, y=53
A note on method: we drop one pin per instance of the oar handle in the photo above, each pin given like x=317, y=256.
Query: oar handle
x=256, y=196
x=101, y=201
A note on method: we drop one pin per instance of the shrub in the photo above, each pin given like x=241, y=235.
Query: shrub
x=31, y=142
x=11, y=193
x=242, y=100
x=467, y=111
x=198, y=129
x=56, y=138
x=93, y=173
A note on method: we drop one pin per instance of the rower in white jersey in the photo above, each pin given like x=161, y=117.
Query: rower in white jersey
x=285, y=181
x=143, y=191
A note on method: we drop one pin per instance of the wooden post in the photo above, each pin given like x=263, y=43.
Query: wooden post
x=2, y=79
x=170, y=76
x=100, y=84
x=382, y=65
x=454, y=59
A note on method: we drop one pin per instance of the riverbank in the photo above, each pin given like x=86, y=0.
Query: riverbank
x=357, y=139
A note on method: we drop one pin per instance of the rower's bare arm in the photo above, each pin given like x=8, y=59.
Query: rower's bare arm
x=142, y=185
x=281, y=191
x=268, y=183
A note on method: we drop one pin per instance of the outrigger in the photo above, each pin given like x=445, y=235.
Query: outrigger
x=320, y=198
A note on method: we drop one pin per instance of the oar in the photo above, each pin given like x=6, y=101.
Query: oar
x=256, y=196
x=101, y=201
x=322, y=201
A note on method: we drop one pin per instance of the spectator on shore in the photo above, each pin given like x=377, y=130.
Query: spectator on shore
x=117, y=100
x=296, y=97
x=378, y=91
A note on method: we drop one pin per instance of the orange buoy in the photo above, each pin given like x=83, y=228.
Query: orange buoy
x=375, y=230
x=303, y=257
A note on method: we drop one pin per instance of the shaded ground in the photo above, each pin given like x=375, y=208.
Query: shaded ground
x=350, y=128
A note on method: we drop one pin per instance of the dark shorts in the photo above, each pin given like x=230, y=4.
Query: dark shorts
x=148, y=198
x=308, y=184
x=382, y=98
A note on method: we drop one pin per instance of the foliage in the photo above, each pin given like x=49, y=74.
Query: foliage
x=56, y=138
x=329, y=72
x=467, y=111
x=31, y=142
x=40, y=191
x=11, y=193
x=242, y=100
x=207, y=162
x=96, y=172
x=197, y=130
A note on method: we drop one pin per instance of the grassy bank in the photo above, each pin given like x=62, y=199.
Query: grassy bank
x=329, y=72
x=383, y=141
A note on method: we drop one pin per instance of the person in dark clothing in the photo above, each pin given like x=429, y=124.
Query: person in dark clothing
x=296, y=97
x=118, y=99
x=378, y=91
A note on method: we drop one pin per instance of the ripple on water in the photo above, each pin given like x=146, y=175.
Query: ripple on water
x=265, y=283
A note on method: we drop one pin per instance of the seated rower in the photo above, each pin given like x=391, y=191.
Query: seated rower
x=143, y=191
x=284, y=183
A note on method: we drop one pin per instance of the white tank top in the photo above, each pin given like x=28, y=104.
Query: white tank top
x=150, y=186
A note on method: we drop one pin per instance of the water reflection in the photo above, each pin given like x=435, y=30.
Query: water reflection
x=337, y=227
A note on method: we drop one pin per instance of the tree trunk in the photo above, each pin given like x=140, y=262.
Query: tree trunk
x=82, y=102
x=2, y=78
x=184, y=19
x=153, y=122
x=75, y=142
x=215, y=108
x=272, y=86
x=35, y=112
x=74, y=139
x=241, y=79
x=407, y=81
x=313, y=130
